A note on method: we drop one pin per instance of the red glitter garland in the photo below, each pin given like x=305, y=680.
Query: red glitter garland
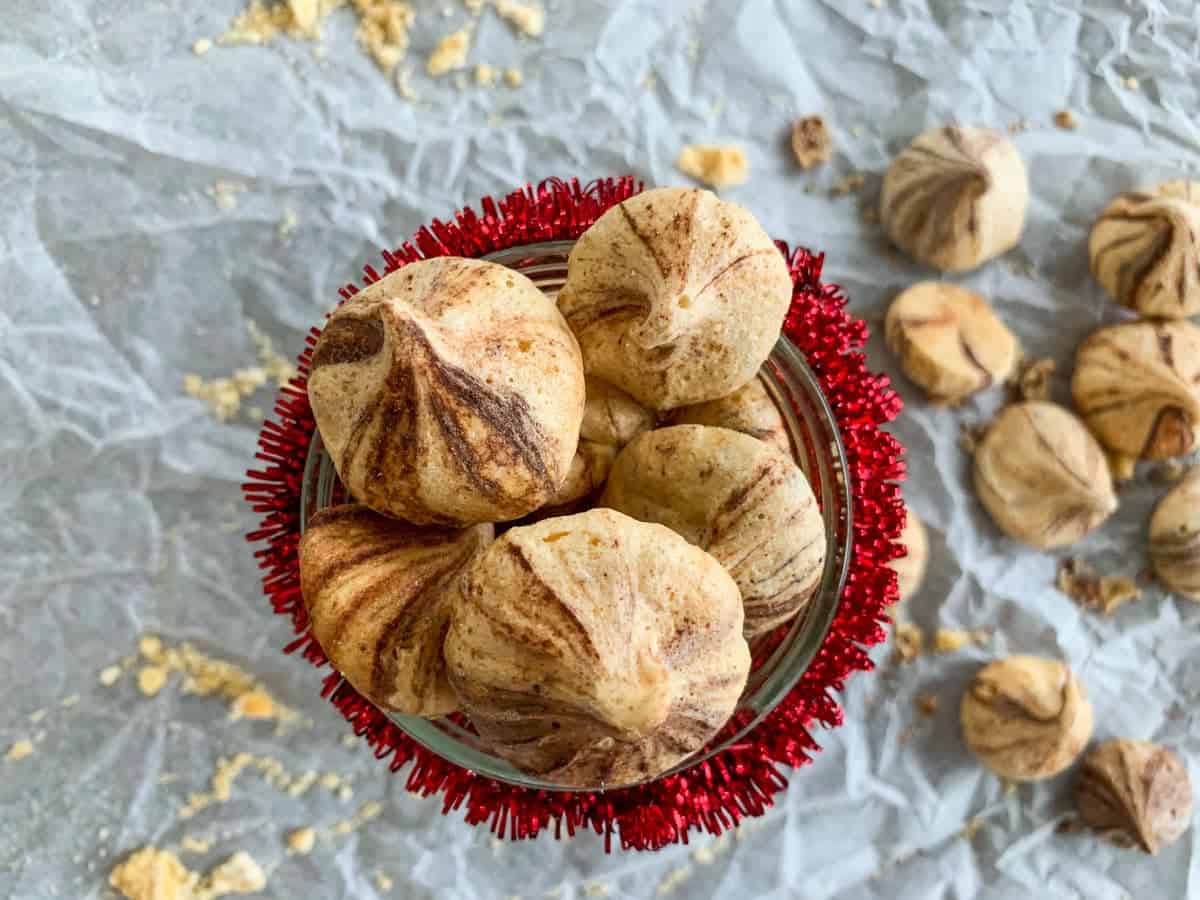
x=742, y=780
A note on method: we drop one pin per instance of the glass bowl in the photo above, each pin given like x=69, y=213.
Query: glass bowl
x=780, y=658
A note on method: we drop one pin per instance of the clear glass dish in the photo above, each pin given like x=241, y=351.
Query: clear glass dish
x=781, y=658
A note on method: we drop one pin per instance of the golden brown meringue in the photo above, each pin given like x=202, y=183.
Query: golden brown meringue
x=676, y=297
x=749, y=410
x=378, y=593
x=1145, y=250
x=611, y=419
x=955, y=197
x=450, y=392
x=730, y=494
x=596, y=650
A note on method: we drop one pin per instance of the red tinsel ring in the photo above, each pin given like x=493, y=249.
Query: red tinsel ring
x=739, y=782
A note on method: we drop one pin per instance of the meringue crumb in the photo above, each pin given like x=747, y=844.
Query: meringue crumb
x=368, y=811
x=972, y=828
x=674, y=878
x=1065, y=119
x=848, y=184
x=19, y=750
x=301, y=840
x=950, y=640
x=597, y=889
x=330, y=781
x=345, y=793
x=1132, y=83
x=153, y=874
x=450, y=53
x=527, y=18
x=878, y=4
x=404, y=83
x=151, y=680
x=256, y=704
x=811, y=142
x=909, y=640
x=927, y=704
x=348, y=740
x=716, y=165
x=513, y=77
x=474, y=7
x=168, y=778
x=70, y=700
x=383, y=27
x=109, y=675
x=195, y=844
x=286, y=225
x=240, y=874
x=485, y=75
x=37, y=715
x=1106, y=593
x=707, y=854
x=305, y=13
x=225, y=194
x=202, y=46
x=302, y=783
x=226, y=773
x=383, y=882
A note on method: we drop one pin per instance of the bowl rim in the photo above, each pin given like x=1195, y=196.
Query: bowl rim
x=788, y=661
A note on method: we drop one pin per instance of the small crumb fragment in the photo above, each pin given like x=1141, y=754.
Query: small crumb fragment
x=485, y=75
x=1065, y=119
x=848, y=184
x=927, y=704
x=950, y=640
x=972, y=828
x=225, y=194
x=673, y=879
x=331, y=780
x=1132, y=83
x=404, y=83
x=970, y=436
x=1018, y=127
x=383, y=882
x=527, y=18
x=286, y=225
x=37, y=715
x=1031, y=383
x=153, y=874
x=811, y=142
x=909, y=641
x=240, y=874
x=1009, y=787
x=474, y=7
x=109, y=675
x=301, y=840
x=202, y=46
x=383, y=30
x=1123, y=467
x=878, y=4
x=1105, y=593
x=195, y=844
x=19, y=750
x=168, y=778
x=345, y=793
x=450, y=53
x=253, y=705
x=70, y=700
x=368, y=811
x=151, y=647
x=597, y=889
x=348, y=740
x=513, y=77
x=305, y=13
x=716, y=165
x=151, y=680
x=1168, y=472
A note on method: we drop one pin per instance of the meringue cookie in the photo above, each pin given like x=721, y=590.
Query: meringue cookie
x=450, y=392
x=676, y=297
x=594, y=650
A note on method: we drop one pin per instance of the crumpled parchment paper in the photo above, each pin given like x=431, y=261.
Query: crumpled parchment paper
x=121, y=511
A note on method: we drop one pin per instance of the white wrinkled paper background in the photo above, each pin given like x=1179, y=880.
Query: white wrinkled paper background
x=121, y=511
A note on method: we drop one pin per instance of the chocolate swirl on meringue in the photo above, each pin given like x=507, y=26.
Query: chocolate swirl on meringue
x=449, y=393
x=741, y=500
x=955, y=197
x=596, y=650
x=378, y=594
x=1145, y=250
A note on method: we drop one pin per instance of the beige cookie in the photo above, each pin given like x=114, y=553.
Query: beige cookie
x=1145, y=250
x=378, y=593
x=1026, y=718
x=611, y=419
x=596, y=650
x=730, y=494
x=450, y=392
x=1175, y=537
x=956, y=197
x=949, y=341
x=676, y=297
x=749, y=410
x=1137, y=386
x=1042, y=476
x=910, y=568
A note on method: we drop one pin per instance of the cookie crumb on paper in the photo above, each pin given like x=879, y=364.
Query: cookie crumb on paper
x=19, y=750
x=716, y=165
x=527, y=18
x=450, y=53
x=301, y=840
x=513, y=77
x=812, y=143
x=1065, y=119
